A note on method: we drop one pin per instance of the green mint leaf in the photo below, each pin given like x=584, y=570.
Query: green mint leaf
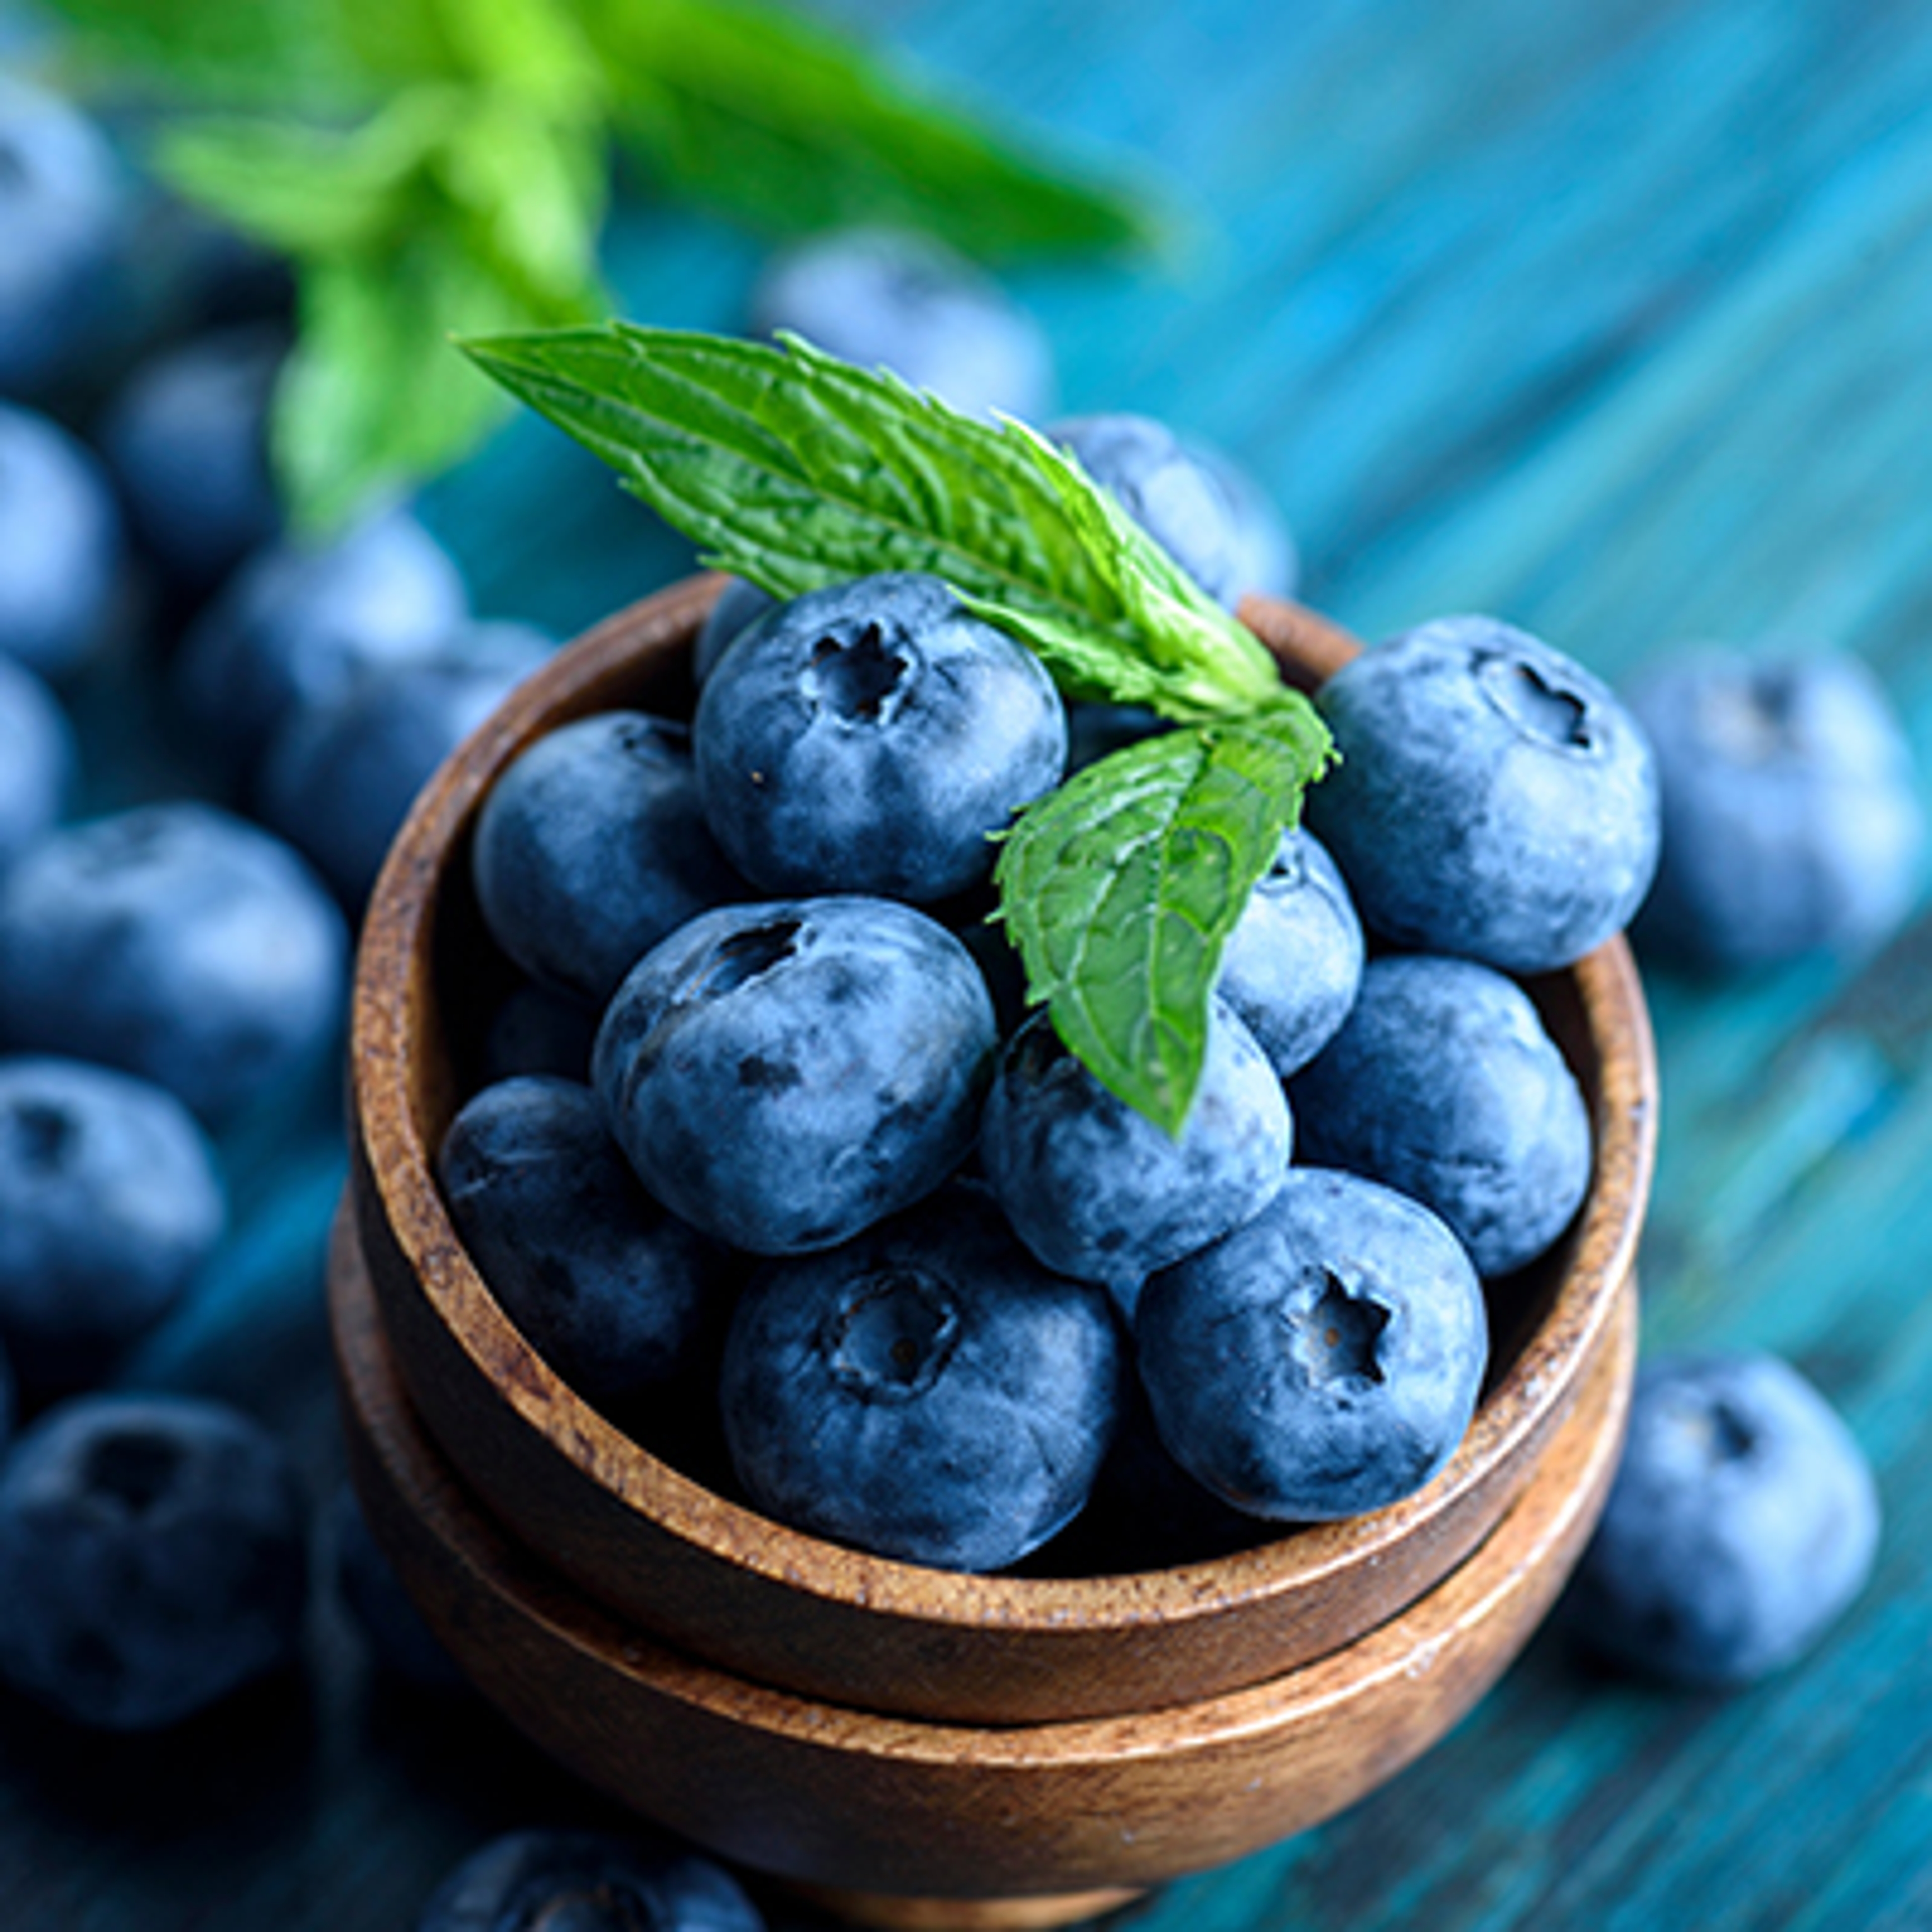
x=1120, y=889
x=305, y=191
x=338, y=436
x=783, y=124
x=797, y=470
x=455, y=207
x=284, y=55
x=532, y=48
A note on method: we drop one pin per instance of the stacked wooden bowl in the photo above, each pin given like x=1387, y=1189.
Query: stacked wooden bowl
x=919, y=1746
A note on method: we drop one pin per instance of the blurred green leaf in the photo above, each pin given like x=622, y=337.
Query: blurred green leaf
x=434, y=165
x=786, y=125
x=532, y=48
x=455, y=208
x=288, y=55
x=308, y=190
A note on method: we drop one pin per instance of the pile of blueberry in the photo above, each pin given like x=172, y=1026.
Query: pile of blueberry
x=941, y=1278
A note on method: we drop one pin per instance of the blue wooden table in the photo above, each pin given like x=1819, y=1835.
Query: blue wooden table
x=1614, y=319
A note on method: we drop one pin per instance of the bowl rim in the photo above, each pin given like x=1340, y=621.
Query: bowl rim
x=1267, y=1757
x=393, y=983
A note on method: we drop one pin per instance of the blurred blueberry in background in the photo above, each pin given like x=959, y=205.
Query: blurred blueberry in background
x=341, y=775
x=60, y=545
x=175, y=941
x=882, y=297
x=187, y=439
x=37, y=760
x=1792, y=817
x=62, y=202
x=298, y=622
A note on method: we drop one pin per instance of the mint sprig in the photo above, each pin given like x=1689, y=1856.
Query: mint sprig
x=432, y=166
x=796, y=470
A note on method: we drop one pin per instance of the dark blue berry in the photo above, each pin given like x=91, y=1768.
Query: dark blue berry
x=1792, y=822
x=1097, y=1190
x=1095, y=730
x=885, y=299
x=177, y=942
x=37, y=760
x=340, y=774
x=926, y=1391
x=1294, y=958
x=583, y=1881
x=1743, y=1520
x=782, y=1075
x=1443, y=1083
x=187, y=439
x=534, y=1030
x=61, y=543
x=110, y=1201
x=298, y=623
x=153, y=1558
x=870, y=738
x=739, y=605
x=1321, y=1360
x=63, y=206
x=1493, y=800
x=612, y=1290
x=1213, y=523
x=593, y=847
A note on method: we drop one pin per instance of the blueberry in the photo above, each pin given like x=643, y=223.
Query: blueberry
x=187, y=439
x=61, y=545
x=1493, y=799
x=174, y=941
x=534, y=1030
x=926, y=1391
x=1211, y=520
x=340, y=774
x=1294, y=959
x=1100, y=1192
x=37, y=760
x=611, y=1290
x=299, y=623
x=1266, y=557
x=1097, y=731
x=782, y=1075
x=1792, y=818
x=366, y=1580
x=739, y=605
x=1443, y=1083
x=583, y=1881
x=62, y=207
x=878, y=297
x=1743, y=1520
x=153, y=1558
x=869, y=738
x=1321, y=1360
x=110, y=1201
x=593, y=847
x=1147, y=1512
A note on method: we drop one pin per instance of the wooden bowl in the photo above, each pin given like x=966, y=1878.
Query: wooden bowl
x=663, y=1557
x=903, y=1823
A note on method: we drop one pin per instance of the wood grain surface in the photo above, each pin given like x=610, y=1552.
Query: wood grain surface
x=1610, y=318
